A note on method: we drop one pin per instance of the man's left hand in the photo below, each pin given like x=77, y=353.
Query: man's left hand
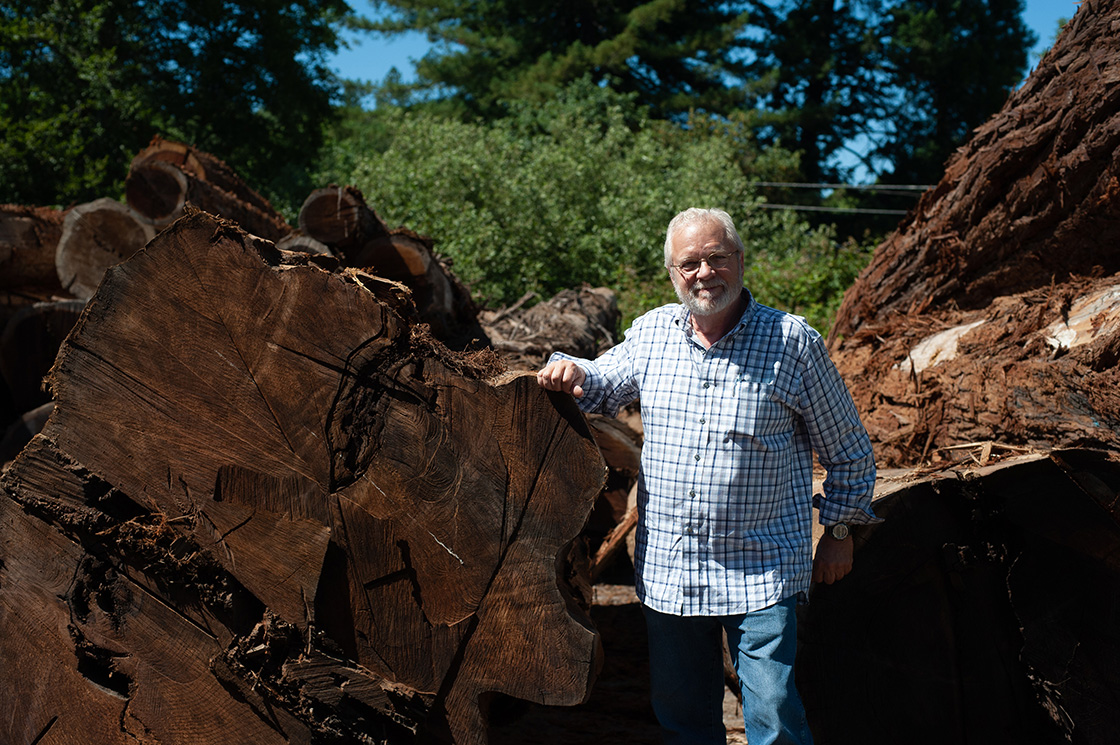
x=833, y=559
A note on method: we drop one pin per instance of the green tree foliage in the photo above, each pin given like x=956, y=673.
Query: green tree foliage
x=934, y=53
x=85, y=84
x=904, y=81
x=816, y=63
x=674, y=55
x=579, y=190
x=899, y=83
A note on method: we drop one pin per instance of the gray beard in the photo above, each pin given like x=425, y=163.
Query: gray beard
x=706, y=306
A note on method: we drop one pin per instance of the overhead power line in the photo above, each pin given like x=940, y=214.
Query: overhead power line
x=812, y=208
x=856, y=187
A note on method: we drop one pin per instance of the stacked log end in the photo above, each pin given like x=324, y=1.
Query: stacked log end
x=421, y=508
x=28, y=239
x=339, y=218
x=166, y=176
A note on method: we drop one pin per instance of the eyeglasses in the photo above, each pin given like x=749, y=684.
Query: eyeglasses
x=715, y=261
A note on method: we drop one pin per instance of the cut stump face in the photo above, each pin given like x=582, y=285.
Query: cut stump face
x=363, y=534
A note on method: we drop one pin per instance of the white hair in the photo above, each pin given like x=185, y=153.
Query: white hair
x=694, y=215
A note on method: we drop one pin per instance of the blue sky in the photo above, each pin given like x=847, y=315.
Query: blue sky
x=371, y=58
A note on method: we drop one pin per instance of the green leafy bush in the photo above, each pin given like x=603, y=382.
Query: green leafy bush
x=576, y=191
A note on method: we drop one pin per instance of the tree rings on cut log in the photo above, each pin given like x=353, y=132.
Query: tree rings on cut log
x=266, y=510
x=95, y=236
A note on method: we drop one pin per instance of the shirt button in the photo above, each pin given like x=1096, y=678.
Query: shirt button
x=707, y=385
x=697, y=456
x=692, y=492
x=702, y=420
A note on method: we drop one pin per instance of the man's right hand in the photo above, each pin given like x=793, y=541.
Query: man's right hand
x=562, y=375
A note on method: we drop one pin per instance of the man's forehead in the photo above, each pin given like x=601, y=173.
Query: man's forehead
x=699, y=236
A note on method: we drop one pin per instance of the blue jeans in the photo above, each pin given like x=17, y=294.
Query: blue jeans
x=686, y=675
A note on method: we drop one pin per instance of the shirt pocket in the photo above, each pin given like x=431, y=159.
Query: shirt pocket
x=761, y=421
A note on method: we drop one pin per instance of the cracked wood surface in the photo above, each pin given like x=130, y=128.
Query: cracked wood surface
x=266, y=510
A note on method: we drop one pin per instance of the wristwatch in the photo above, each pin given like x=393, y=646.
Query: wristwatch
x=839, y=531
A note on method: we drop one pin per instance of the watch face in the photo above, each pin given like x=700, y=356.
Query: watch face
x=839, y=531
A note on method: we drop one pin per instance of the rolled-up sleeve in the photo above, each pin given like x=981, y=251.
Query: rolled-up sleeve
x=839, y=439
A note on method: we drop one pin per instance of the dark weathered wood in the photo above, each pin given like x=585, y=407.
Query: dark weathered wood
x=983, y=609
x=20, y=432
x=95, y=236
x=28, y=346
x=993, y=313
x=581, y=322
x=167, y=176
x=614, y=542
x=275, y=534
x=28, y=239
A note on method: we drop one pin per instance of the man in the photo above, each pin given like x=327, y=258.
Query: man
x=734, y=397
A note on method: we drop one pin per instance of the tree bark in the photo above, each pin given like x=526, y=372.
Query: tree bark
x=993, y=313
x=264, y=509
x=1031, y=200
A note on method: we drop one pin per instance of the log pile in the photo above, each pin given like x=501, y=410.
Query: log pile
x=59, y=257
x=237, y=528
x=339, y=219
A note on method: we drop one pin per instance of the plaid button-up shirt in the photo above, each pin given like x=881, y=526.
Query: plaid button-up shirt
x=726, y=484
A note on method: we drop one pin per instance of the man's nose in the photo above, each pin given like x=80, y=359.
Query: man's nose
x=705, y=270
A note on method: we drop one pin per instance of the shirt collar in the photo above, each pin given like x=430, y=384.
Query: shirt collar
x=684, y=317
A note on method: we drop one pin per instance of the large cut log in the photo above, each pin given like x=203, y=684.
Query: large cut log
x=266, y=510
x=340, y=218
x=95, y=236
x=28, y=239
x=983, y=609
x=993, y=313
x=166, y=176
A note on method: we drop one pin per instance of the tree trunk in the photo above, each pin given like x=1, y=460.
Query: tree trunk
x=95, y=236
x=993, y=314
x=166, y=176
x=340, y=218
x=265, y=510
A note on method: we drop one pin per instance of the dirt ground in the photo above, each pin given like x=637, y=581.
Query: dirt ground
x=618, y=710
